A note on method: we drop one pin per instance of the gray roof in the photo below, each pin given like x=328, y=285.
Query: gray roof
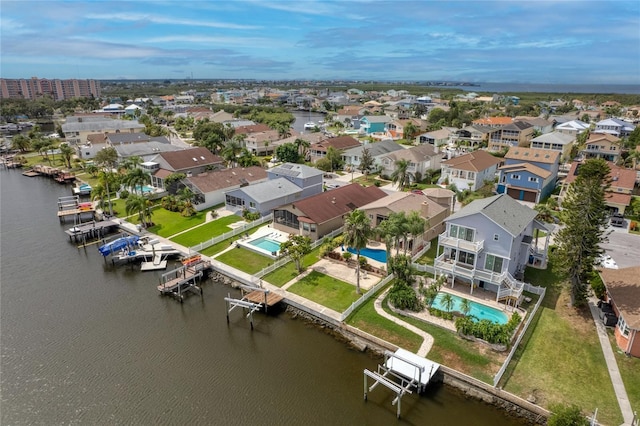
x=270, y=190
x=378, y=119
x=294, y=170
x=501, y=209
x=555, y=137
x=144, y=148
x=99, y=126
x=376, y=148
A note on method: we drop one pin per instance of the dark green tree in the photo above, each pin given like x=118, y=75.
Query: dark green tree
x=567, y=415
x=297, y=246
x=585, y=216
x=366, y=161
x=288, y=152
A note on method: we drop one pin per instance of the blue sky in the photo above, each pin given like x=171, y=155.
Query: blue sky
x=477, y=41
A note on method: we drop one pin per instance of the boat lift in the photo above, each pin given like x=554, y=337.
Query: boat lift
x=179, y=282
x=402, y=372
x=235, y=303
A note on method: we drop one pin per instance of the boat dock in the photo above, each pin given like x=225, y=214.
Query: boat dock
x=91, y=230
x=183, y=280
x=402, y=372
x=71, y=206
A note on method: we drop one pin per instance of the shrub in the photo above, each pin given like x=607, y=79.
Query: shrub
x=633, y=226
x=250, y=216
x=404, y=297
x=377, y=183
x=597, y=285
x=566, y=415
x=338, y=241
x=363, y=261
x=124, y=194
x=347, y=255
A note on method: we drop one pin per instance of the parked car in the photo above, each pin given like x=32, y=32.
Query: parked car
x=617, y=220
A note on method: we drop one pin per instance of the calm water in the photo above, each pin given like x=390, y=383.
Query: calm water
x=85, y=343
x=304, y=117
x=477, y=310
x=631, y=89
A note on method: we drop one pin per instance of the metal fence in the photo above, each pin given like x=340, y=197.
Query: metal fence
x=532, y=289
x=239, y=230
x=287, y=259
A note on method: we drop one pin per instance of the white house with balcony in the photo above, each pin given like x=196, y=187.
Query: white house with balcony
x=487, y=245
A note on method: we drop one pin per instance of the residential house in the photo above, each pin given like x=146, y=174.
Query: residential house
x=397, y=112
x=470, y=171
x=573, y=127
x=339, y=143
x=347, y=113
x=529, y=174
x=517, y=133
x=437, y=138
x=77, y=128
x=435, y=214
x=623, y=293
x=539, y=124
x=621, y=182
x=191, y=162
x=374, y=124
x=494, y=122
x=472, y=136
x=615, y=127
x=262, y=143
x=377, y=150
x=287, y=183
x=421, y=159
x=602, y=145
x=210, y=187
x=322, y=213
x=126, y=145
x=443, y=197
x=555, y=141
x=395, y=128
x=488, y=243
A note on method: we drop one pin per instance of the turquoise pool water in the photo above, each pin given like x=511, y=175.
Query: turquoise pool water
x=376, y=254
x=265, y=243
x=478, y=310
x=145, y=189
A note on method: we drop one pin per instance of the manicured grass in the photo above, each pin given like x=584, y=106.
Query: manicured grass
x=430, y=255
x=630, y=372
x=286, y=273
x=325, y=290
x=170, y=223
x=217, y=248
x=206, y=231
x=245, y=260
x=367, y=319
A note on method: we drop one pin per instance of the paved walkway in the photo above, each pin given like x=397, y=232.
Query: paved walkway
x=612, y=365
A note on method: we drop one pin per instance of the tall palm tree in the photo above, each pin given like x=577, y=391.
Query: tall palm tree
x=304, y=144
x=230, y=152
x=136, y=178
x=399, y=228
x=131, y=162
x=416, y=226
x=67, y=153
x=141, y=205
x=447, y=302
x=357, y=230
x=107, y=158
x=386, y=232
x=410, y=131
x=284, y=131
x=99, y=193
x=401, y=174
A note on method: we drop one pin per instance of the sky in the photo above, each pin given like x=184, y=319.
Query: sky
x=581, y=42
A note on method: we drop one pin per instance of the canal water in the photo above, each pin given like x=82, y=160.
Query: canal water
x=303, y=117
x=83, y=342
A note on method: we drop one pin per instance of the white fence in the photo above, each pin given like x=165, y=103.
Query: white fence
x=239, y=230
x=366, y=297
x=287, y=259
x=532, y=289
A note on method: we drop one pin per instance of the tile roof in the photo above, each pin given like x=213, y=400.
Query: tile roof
x=254, y=128
x=530, y=154
x=501, y=209
x=225, y=178
x=601, y=137
x=335, y=203
x=406, y=202
x=473, y=161
x=623, y=285
x=535, y=170
x=493, y=121
x=189, y=158
x=339, y=143
x=375, y=148
x=619, y=176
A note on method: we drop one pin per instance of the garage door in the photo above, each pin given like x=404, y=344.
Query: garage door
x=521, y=194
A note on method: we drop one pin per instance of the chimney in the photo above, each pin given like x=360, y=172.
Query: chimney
x=424, y=209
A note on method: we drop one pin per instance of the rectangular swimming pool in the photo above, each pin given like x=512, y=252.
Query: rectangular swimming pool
x=478, y=310
x=265, y=243
x=376, y=254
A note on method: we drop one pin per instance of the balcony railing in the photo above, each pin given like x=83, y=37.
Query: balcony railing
x=469, y=246
x=443, y=264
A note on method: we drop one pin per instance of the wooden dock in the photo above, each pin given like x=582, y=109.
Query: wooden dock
x=266, y=298
x=183, y=280
x=91, y=230
x=71, y=206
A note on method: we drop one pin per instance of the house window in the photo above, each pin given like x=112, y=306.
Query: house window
x=305, y=226
x=496, y=237
x=313, y=227
x=515, y=177
x=252, y=204
x=234, y=201
x=466, y=258
x=533, y=179
x=623, y=327
x=461, y=232
x=493, y=263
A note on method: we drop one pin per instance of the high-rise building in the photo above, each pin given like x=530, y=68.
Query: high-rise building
x=35, y=87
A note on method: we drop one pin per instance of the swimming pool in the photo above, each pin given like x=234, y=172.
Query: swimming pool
x=478, y=310
x=265, y=243
x=376, y=254
x=145, y=189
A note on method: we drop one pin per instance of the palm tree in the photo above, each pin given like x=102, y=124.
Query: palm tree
x=409, y=131
x=386, y=232
x=465, y=306
x=399, y=228
x=230, y=152
x=416, y=226
x=447, y=302
x=67, y=153
x=136, y=178
x=131, y=162
x=401, y=175
x=357, y=230
x=99, y=193
x=304, y=144
x=141, y=205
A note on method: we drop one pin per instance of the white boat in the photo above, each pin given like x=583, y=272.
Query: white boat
x=309, y=125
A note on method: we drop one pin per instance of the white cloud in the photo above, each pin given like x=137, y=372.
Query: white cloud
x=168, y=20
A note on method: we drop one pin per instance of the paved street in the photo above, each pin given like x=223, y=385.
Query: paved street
x=623, y=247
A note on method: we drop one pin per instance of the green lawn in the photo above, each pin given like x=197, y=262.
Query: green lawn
x=325, y=290
x=206, y=231
x=170, y=223
x=366, y=318
x=217, y=248
x=286, y=273
x=430, y=255
x=245, y=260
